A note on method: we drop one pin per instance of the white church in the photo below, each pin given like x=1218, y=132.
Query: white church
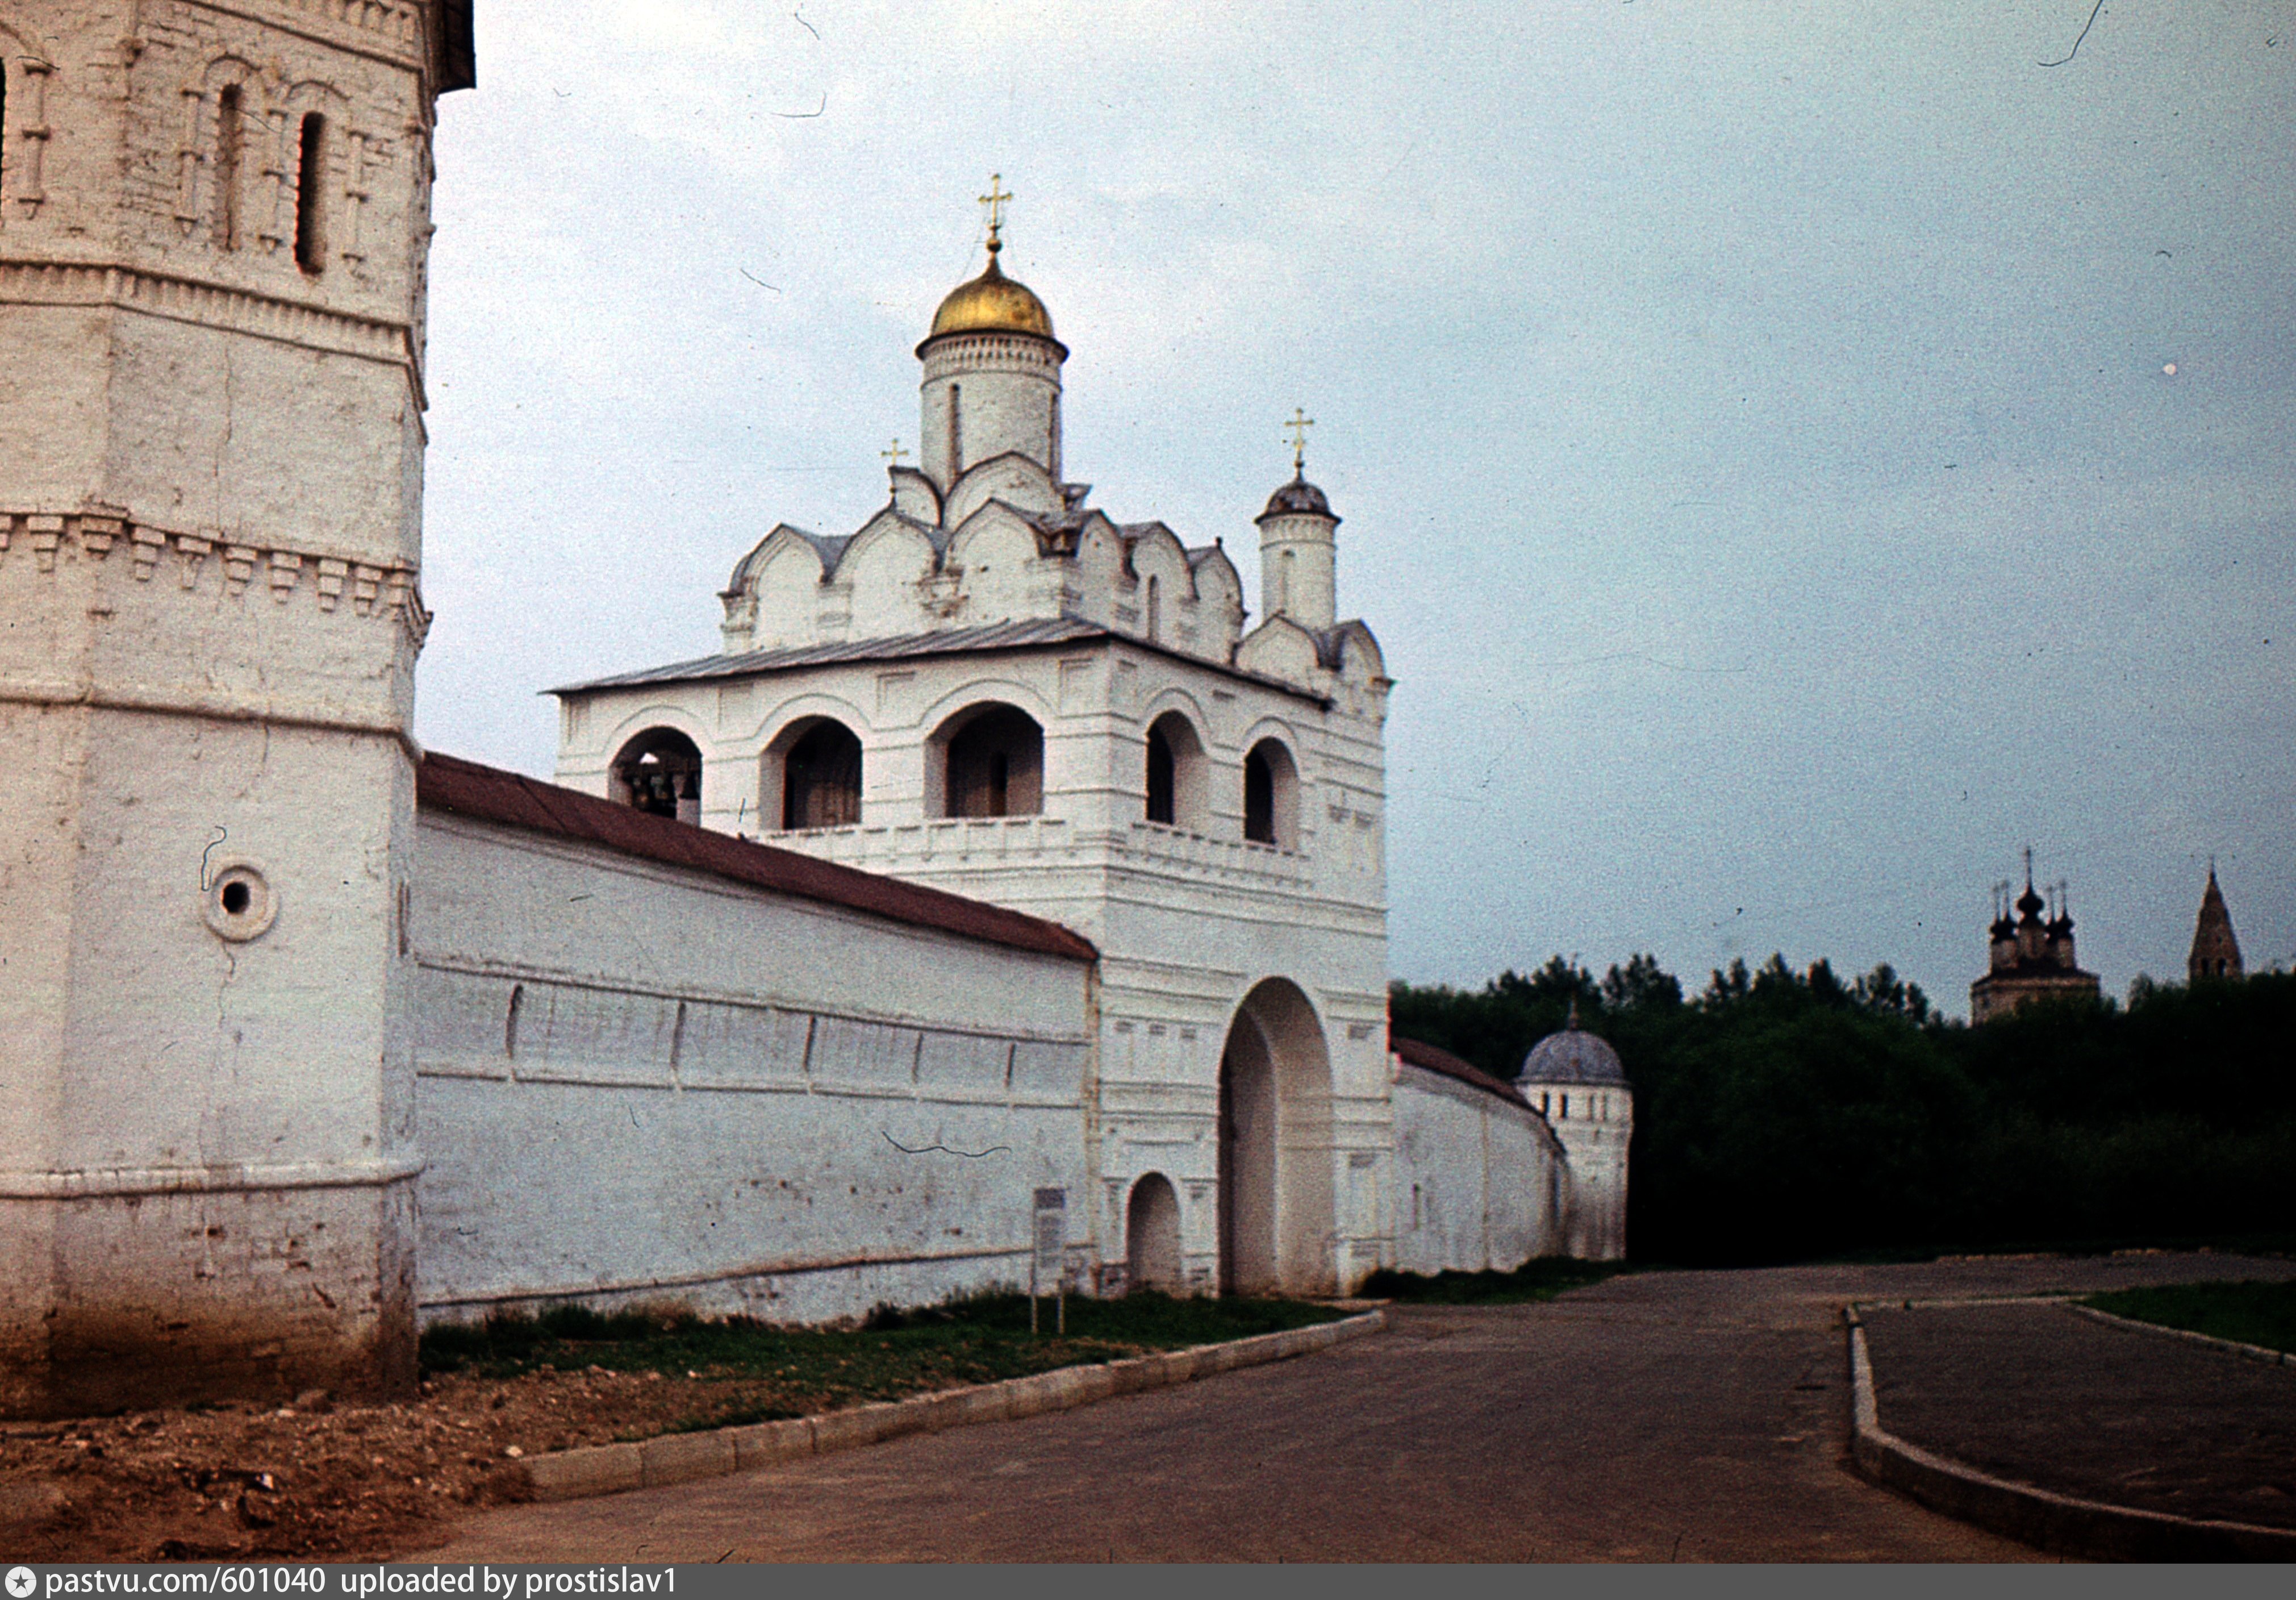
x=1000, y=855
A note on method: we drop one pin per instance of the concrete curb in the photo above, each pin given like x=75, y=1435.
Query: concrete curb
x=2252, y=1352
x=2060, y=1524
x=683, y=1457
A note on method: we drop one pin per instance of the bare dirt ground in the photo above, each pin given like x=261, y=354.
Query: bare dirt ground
x=347, y=1481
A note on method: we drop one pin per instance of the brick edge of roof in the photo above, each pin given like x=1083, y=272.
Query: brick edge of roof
x=457, y=787
x=1429, y=1058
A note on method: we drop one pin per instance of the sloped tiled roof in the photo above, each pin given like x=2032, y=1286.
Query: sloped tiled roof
x=444, y=783
x=1428, y=1058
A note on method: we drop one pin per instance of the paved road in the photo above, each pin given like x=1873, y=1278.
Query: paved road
x=2041, y=1394
x=1698, y=1417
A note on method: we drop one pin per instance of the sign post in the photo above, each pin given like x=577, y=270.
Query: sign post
x=1048, y=1258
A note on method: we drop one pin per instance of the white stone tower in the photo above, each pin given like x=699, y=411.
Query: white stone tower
x=213, y=224
x=1579, y=1085
x=1299, y=555
x=992, y=373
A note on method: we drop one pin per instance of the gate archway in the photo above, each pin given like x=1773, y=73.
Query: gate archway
x=1277, y=1216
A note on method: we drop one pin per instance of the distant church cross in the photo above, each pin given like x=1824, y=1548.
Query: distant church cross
x=994, y=201
x=1298, y=428
x=894, y=454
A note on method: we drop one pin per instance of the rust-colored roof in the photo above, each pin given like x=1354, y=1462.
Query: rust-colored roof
x=1430, y=1059
x=489, y=794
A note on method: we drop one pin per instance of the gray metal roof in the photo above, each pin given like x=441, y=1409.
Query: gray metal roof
x=949, y=641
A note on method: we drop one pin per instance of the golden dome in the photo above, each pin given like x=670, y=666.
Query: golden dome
x=992, y=303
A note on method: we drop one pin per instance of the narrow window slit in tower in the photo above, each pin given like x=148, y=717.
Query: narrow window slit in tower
x=228, y=135
x=955, y=431
x=310, y=178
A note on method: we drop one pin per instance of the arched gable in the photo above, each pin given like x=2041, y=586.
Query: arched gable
x=1153, y=551
x=996, y=554
x=915, y=496
x=1280, y=648
x=776, y=590
x=781, y=541
x=1354, y=654
x=1010, y=477
x=1099, y=554
x=885, y=570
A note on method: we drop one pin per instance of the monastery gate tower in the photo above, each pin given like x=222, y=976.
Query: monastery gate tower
x=993, y=687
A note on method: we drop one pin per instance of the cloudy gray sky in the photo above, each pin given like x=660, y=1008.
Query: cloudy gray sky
x=1793, y=456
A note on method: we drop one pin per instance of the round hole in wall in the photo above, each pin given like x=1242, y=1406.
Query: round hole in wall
x=239, y=903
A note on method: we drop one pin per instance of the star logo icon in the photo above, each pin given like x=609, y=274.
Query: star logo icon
x=21, y=1582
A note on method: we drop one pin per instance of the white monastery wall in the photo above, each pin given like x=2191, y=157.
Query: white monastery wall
x=641, y=1083
x=1480, y=1183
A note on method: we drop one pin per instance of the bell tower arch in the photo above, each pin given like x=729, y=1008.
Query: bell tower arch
x=213, y=224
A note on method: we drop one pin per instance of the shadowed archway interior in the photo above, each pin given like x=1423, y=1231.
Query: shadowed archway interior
x=1277, y=1212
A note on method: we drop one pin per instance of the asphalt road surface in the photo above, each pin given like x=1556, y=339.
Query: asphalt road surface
x=1667, y=1415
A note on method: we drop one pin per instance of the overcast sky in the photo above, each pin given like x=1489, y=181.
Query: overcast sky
x=1792, y=457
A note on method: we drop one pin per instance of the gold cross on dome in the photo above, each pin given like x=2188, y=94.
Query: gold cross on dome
x=1298, y=428
x=894, y=454
x=994, y=201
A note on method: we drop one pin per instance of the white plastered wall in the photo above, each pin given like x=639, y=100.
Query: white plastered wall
x=638, y=1083
x=1479, y=1182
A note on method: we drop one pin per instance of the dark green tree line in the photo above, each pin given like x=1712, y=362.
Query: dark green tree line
x=1783, y=1114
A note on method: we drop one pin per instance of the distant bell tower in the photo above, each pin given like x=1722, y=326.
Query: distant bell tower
x=2216, y=952
x=992, y=378
x=213, y=225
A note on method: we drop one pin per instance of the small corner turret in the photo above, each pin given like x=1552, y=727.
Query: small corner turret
x=1298, y=557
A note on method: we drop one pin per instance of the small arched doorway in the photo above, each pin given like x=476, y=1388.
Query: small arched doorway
x=660, y=771
x=820, y=771
x=990, y=762
x=1277, y=1214
x=1151, y=1234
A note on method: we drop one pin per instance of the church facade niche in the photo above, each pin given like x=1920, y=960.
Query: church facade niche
x=814, y=766
x=990, y=760
x=1151, y=1234
x=659, y=772
x=1271, y=795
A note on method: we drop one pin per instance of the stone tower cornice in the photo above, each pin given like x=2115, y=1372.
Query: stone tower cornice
x=179, y=297
x=394, y=31
x=363, y=587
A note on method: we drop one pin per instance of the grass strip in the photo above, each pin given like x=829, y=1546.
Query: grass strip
x=2246, y=1312
x=747, y=1371
x=1537, y=1280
